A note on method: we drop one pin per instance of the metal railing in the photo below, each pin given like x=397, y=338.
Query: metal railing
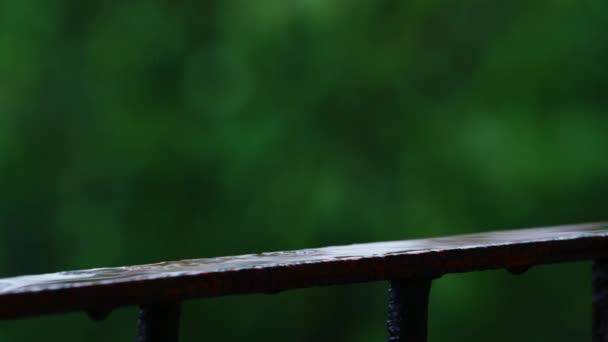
x=410, y=266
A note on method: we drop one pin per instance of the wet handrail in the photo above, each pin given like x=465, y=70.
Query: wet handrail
x=409, y=265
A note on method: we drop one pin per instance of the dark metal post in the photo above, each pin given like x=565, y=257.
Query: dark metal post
x=600, y=301
x=408, y=310
x=158, y=323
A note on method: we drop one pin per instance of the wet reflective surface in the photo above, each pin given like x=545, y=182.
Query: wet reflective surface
x=275, y=259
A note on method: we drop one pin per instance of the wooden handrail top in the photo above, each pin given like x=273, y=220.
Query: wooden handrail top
x=102, y=289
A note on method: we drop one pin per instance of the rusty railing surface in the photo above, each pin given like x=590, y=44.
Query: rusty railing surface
x=409, y=266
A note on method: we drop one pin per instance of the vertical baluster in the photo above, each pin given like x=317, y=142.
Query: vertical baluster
x=158, y=323
x=408, y=310
x=600, y=301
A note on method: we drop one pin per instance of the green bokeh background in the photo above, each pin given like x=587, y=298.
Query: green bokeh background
x=142, y=131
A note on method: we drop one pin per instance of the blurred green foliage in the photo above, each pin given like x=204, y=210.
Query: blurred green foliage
x=141, y=131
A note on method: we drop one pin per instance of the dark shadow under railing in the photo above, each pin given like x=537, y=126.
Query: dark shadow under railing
x=409, y=265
